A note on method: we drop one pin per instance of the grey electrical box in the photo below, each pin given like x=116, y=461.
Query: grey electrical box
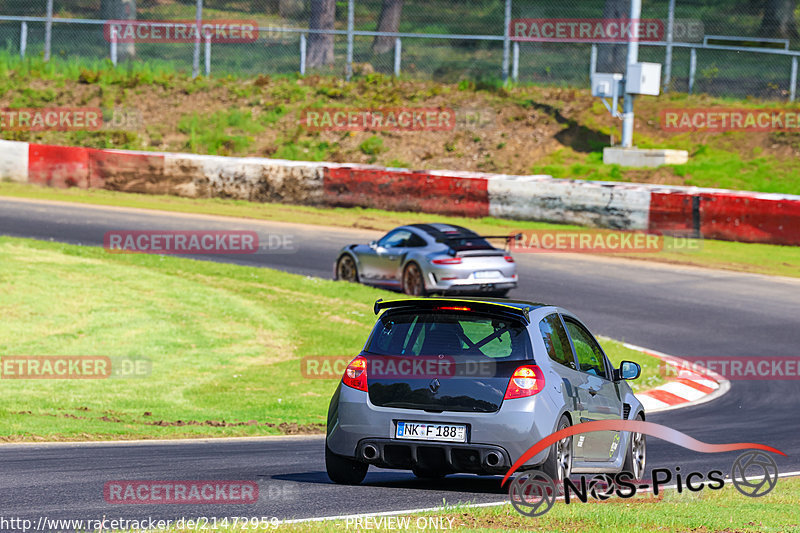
x=644, y=78
x=606, y=85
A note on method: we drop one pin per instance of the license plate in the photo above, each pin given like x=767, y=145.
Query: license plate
x=418, y=431
x=488, y=274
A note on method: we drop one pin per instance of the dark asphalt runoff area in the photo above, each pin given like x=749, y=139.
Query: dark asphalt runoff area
x=685, y=311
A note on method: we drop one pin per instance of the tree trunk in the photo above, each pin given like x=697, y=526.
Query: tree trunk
x=389, y=21
x=120, y=10
x=613, y=57
x=779, y=19
x=290, y=9
x=320, y=46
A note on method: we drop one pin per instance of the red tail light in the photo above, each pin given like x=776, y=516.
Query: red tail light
x=355, y=375
x=451, y=308
x=447, y=261
x=508, y=258
x=526, y=381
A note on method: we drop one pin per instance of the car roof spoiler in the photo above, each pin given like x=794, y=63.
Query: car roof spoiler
x=455, y=304
x=508, y=238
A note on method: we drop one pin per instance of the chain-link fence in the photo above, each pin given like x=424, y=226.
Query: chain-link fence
x=722, y=47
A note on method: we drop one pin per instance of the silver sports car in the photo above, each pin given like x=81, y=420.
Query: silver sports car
x=446, y=385
x=421, y=259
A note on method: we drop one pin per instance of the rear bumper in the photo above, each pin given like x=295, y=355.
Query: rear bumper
x=354, y=422
x=447, y=457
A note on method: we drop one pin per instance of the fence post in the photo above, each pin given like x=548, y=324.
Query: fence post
x=668, y=54
x=350, y=17
x=692, y=68
x=208, y=55
x=303, y=48
x=198, y=26
x=593, y=62
x=113, y=45
x=506, y=40
x=793, y=80
x=398, y=51
x=48, y=30
x=515, y=62
x=23, y=39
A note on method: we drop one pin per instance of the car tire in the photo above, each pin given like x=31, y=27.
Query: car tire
x=413, y=282
x=343, y=470
x=428, y=473
x=559, y=461
x=346, y=269
x=636, y=456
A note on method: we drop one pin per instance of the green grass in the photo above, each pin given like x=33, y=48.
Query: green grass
x=707, y=511
x=224, y=341
x=744, y=257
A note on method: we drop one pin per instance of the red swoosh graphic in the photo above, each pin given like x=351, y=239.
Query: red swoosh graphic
x=637, y=426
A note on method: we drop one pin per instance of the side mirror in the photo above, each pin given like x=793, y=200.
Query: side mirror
x=629, y=370
x=373, y=244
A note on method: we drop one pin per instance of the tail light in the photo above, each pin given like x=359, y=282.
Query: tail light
x=355, y=375
x=508, y=258
x=447, y=261
x=526, y=381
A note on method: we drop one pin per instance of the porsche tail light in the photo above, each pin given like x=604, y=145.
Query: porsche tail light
x=447, y=261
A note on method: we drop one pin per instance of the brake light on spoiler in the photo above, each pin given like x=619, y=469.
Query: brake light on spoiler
x=527, y=380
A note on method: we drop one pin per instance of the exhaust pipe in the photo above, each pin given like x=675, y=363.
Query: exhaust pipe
x=492, y=459
x=369, y=452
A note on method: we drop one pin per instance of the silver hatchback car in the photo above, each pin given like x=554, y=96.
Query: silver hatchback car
x=421, y=259
x=446, y=385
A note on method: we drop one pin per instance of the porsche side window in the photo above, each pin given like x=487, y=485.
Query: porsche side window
x=415, y=241
x=556, y=341
x=396, y=239
x=590, y=355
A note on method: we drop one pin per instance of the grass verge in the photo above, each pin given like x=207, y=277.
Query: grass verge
x=707, y=511
x=742, y=257
x=223, y=347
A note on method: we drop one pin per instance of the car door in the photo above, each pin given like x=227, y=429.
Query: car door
x=598, y=392
x=559, y=349
x=379, y=264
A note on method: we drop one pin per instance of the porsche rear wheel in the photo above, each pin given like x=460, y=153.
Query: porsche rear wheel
x=413, y=284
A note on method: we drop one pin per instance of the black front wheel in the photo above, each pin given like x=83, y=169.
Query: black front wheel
x=346, y=269
x=343, y=470
x=636, y=458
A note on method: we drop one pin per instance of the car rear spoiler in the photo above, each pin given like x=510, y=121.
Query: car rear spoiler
x=455, y=304
x=508, y=238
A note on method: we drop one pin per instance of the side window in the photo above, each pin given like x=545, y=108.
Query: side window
x=395, y=239
x=590, y=355
x=415, y=241
x=556, y=341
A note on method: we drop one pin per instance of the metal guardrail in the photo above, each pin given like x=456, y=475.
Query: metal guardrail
x=511, y=47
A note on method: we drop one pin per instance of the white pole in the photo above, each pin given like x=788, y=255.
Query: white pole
x=23, y=39
x=113, y=45
x=515, y=62
x=48, y=30
x=692, y=68
x=593, y=62
x=633, y=58
x=398, y=53
x=208, y=55
x=793, y=80
x=670, y=37
x=506, y=40
x=198, y=27
x=303, y=47
x=350, y=23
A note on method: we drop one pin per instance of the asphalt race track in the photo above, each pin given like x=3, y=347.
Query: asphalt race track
x=679, y=310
